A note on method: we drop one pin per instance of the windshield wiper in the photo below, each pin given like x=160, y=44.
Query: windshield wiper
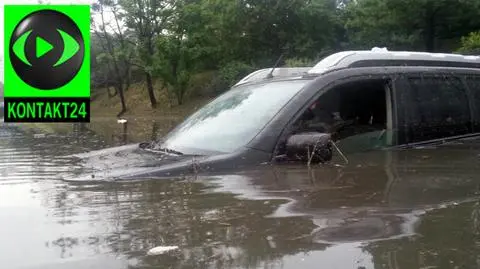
x=154, y=147
x=167, y=150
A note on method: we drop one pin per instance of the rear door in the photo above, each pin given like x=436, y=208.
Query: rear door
x=434, y=106
x=473, y=83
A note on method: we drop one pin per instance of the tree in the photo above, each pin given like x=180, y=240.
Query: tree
x=117, y=53
x=175, y=62
x=258, y=32
x=410, y=24
x=147, y=18
x=470, y=44
x=313, y=39
x=218, y=28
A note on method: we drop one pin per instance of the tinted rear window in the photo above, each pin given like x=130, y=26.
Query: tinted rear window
x=439, y=108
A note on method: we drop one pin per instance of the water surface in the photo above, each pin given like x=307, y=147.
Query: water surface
x=388, y=209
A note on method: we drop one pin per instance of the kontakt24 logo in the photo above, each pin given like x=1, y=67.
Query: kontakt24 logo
x=47, y=63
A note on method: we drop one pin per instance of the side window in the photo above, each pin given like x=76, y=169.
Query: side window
x=439, y=108
x=473, y=83
x=355, y=113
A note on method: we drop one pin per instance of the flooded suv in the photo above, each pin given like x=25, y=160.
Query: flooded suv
x=360, y=100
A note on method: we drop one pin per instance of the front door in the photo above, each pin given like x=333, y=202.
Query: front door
x=358, y=113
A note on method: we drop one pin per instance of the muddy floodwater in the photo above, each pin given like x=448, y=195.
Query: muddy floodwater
x=388, y=209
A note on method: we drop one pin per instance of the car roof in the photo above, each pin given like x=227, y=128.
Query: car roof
x=377, y=57
x=277, y=73
x=274, y=79
x=382, y=57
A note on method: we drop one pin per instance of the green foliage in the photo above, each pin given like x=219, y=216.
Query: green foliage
x=470, y=44
x=410, y=24
x=174, y=64
x=319, y=28
x=371, y=23
x=232, y=72
x=173, y=40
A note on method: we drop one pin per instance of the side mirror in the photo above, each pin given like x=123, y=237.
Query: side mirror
x=311, y=147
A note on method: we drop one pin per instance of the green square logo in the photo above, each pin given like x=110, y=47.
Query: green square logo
x=47, y=63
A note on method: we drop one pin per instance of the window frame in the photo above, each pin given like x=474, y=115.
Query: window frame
x=390, y=81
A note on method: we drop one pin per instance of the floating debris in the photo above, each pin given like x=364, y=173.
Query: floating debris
x=122, y=121
x=161, y=250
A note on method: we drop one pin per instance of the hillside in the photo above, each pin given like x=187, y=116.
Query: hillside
x=138, y=104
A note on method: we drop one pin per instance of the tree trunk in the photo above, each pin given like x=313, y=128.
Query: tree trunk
x=122, y=99
x=151, y=93
x=167, y=92
x=127, y=79
x=429, y=34
x=430, y=38
x=180, y=90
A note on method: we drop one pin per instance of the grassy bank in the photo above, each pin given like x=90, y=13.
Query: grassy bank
x=143, y=122
x=138, y=104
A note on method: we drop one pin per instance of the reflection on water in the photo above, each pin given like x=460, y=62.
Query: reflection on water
x=396, y=209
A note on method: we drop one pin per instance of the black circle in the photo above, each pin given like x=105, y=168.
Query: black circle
x=42, y=74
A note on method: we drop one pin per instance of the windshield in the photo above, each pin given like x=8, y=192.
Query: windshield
x=232, y=119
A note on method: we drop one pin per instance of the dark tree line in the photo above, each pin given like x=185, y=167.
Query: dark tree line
x=172, y=41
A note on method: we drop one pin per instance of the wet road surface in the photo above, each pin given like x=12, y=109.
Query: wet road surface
x=389, y=209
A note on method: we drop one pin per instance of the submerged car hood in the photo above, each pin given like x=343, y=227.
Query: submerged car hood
x=125, y=162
